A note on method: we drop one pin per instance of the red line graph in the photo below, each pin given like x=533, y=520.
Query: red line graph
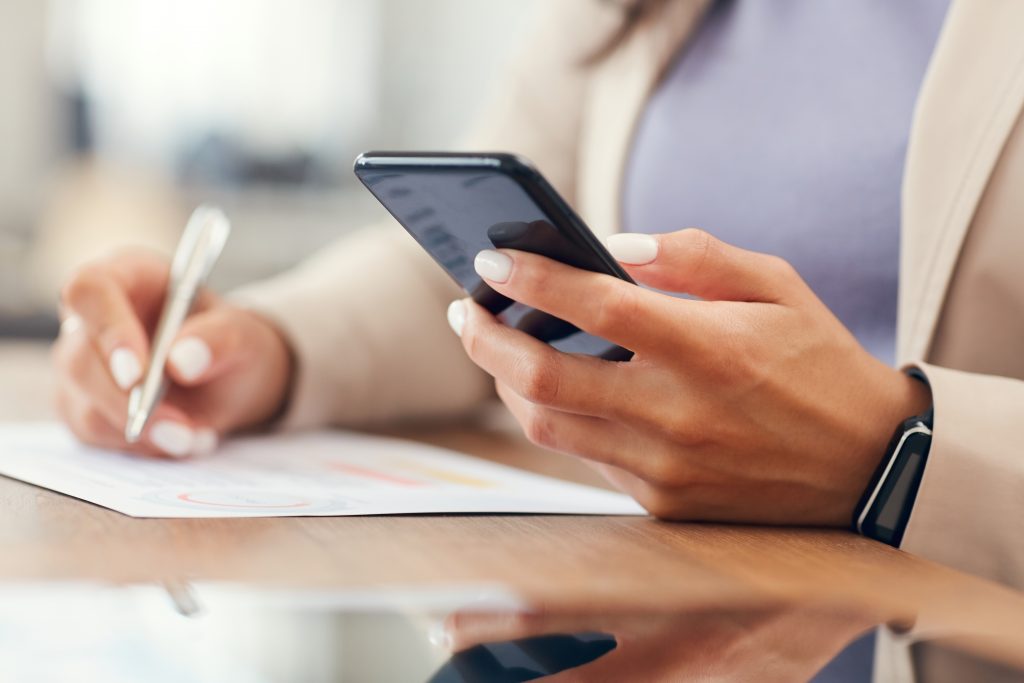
x=374, y=474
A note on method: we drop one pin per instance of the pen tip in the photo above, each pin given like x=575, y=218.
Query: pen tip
x=133, y=430
x=132, y=433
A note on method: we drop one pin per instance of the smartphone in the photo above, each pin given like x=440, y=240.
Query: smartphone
x=527, y=659
x=458, y=204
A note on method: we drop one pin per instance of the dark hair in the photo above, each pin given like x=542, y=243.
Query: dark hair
x=633, y=13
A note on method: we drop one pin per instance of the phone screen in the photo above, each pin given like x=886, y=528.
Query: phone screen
x=456, y=213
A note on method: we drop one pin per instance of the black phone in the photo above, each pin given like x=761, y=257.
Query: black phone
x=527, y=659
x=458, y=204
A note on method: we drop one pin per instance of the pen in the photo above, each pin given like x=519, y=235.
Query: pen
x=200, y=247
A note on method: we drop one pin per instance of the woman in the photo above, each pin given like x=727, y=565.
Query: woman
x=778, y=127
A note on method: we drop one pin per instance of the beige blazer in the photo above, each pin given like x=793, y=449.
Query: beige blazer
x=367, y=317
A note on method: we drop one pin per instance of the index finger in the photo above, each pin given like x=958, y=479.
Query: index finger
x=600, y=304
x=144, y=275
x=118, y=299
x=111, y=323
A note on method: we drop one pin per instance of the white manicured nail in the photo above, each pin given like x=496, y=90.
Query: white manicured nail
x=205, y=442
x=172, y=438
x=439, y=637
x=632, y=248
x=457, y=316
x=125, y=367
x=71, y=324
x=493, y=265
x=190, y=357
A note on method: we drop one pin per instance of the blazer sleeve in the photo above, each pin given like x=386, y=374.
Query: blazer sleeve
x=365, y=318
x=969, y=512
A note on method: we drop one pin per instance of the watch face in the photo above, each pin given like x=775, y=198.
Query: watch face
x=891, y=510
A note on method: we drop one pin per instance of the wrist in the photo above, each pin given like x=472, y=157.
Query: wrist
x=916, y=398
x=280, y=366
x=905, y=397
x=897, y=398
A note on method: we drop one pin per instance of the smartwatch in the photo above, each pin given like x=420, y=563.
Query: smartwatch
x=885, y=507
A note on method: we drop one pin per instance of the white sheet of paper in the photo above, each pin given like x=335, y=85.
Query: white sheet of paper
x=291, y=475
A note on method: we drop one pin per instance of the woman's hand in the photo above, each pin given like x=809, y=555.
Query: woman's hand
x=753, y=404
x=230, y=368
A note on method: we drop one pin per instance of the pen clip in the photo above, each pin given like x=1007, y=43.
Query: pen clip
x=199, y=248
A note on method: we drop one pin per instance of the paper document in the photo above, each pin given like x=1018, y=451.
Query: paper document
x=291, y=475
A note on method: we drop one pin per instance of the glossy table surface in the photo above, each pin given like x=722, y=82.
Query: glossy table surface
x=578, y=564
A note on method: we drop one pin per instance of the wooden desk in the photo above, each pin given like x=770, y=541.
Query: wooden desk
x=577, y=563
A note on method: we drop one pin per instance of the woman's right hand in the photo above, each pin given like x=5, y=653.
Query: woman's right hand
x=229, y=368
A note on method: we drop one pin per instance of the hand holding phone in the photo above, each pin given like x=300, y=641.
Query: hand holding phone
x=456, y=205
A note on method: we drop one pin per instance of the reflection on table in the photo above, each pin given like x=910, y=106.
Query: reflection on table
x=199, y=633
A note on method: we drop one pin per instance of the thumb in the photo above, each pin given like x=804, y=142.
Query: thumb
x=208, y=345
x=694, y=262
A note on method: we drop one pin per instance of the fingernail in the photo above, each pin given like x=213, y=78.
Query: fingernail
x=633, y=249
x=439, y=637
x=457, y=316
x=172, y=438
x=493, y=265
x=125, y=367
x=70, y=325
x=205, y=442
x=190, y=357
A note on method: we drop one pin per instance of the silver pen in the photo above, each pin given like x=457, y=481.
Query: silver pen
x=200, y=246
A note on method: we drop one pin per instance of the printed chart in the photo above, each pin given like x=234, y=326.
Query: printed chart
x=312, y=474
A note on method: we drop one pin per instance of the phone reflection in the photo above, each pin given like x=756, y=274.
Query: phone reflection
x=766, y=645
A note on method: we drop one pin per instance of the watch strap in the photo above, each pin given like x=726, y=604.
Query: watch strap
x=886, y=504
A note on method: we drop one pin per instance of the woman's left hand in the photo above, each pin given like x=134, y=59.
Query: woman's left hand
x=752, y=404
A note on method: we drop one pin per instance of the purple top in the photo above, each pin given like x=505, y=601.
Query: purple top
x=782, y=128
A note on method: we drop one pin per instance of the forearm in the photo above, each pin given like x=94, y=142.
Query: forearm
x=365, y=320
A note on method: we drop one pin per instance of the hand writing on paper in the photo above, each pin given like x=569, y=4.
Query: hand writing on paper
x=229, y=367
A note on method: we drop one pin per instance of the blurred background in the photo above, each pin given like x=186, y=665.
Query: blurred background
x=120, y=116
